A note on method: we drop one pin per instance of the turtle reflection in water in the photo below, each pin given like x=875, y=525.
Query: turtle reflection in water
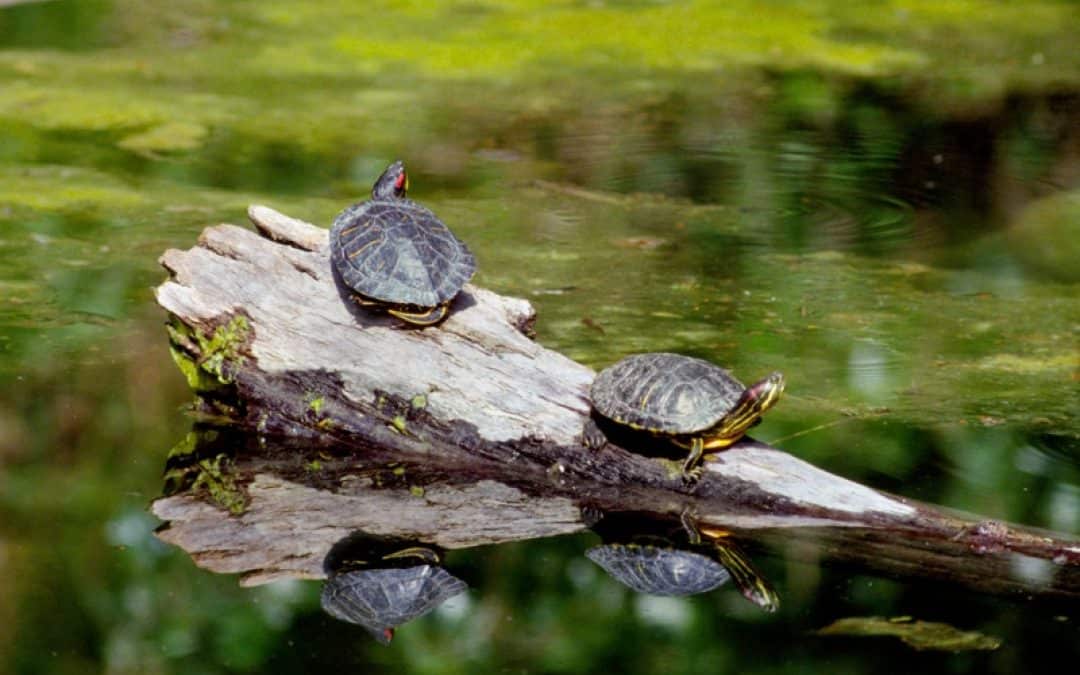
x=659, y=571
x=690, y=402
x=397, y=255
x=389, y=589
x=655, y=565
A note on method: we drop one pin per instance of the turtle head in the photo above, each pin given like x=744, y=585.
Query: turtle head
x=766, y=392
x=392, y=184
x=383, y=635
x=746, y=412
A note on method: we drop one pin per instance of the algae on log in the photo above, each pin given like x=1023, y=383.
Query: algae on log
x=262, y=317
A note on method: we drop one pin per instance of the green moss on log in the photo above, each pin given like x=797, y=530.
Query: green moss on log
x=220, y=485
x=208, y=362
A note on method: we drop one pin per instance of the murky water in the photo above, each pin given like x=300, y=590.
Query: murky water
x=880, y=203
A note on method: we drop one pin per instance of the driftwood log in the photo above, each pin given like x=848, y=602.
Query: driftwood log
x=469, y=434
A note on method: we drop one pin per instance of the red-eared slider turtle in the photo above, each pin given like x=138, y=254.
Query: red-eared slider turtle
x=381, y=598
x=662, y=566
x=397, y=255
x=694, y=403
x=658, y=570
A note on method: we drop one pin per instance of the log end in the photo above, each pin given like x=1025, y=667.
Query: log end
x=293, y=232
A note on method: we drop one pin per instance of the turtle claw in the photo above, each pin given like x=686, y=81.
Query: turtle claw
x=692, y=476
x=592, y=436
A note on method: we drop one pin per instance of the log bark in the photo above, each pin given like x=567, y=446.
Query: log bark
x=481, y=428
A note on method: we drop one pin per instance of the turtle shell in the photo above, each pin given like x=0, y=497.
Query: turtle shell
x=665, y=393
x=381, y=599
x=659, y=571
x=397, y=251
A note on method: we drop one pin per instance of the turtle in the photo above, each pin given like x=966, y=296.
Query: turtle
x=659, y=570
x=396, y=255
x=379, y=598
x=658, y=566
x=693, y=403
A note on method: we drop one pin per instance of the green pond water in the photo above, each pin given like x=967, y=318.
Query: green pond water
x=881, y=200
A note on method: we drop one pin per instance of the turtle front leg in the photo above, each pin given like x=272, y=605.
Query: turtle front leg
x=692, y=466
x=689, y=525
x=592, y=436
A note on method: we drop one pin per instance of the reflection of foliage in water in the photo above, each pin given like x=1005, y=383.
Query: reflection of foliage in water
x=857, y=134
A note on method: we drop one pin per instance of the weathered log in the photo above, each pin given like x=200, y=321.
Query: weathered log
x=484, y=426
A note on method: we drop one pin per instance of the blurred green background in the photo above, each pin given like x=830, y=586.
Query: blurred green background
x=880, y=199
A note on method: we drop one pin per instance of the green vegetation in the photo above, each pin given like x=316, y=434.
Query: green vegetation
x=218, y=353
x=918, y=634
x=315, y=404
x=224, y=347
x=215, y=479
x=1046, y=236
